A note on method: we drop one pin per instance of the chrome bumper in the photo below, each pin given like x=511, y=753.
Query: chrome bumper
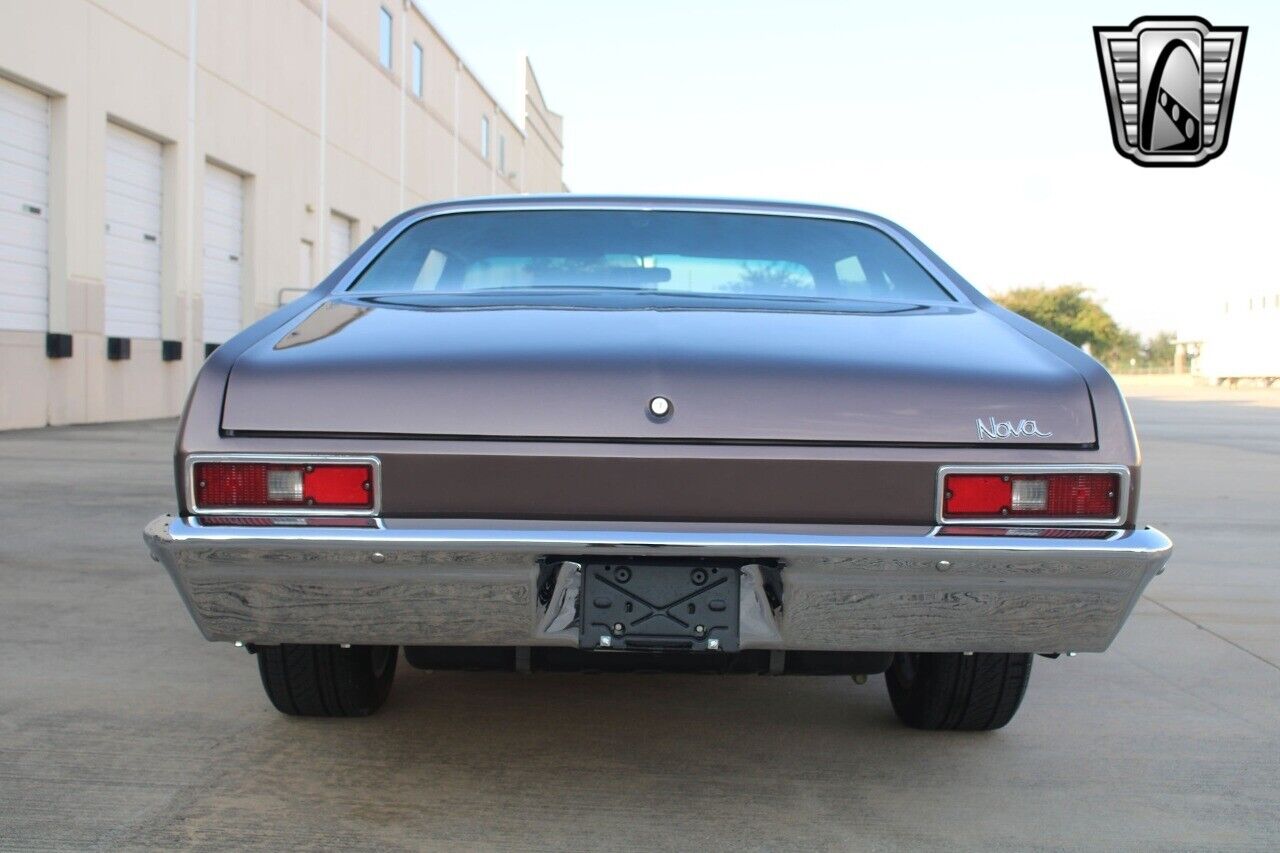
x=854, y=588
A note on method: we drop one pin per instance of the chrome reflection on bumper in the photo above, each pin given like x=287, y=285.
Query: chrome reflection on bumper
x=855, y=588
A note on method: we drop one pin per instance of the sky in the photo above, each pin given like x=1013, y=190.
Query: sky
x=980, y=127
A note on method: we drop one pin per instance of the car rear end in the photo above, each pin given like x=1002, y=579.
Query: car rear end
x=495, y=488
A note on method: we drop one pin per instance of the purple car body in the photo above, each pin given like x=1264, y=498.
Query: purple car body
x=819, y=374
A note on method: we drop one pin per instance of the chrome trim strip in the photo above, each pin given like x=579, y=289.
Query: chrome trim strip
x=452, y=535
x=1035, y=521
x=189, y=488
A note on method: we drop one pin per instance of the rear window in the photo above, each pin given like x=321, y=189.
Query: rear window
x=628, y=252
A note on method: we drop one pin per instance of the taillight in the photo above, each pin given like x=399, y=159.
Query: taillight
x=1066, y=496
x=301, y=486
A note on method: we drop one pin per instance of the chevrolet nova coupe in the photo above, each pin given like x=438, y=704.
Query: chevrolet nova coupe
x=616, y=434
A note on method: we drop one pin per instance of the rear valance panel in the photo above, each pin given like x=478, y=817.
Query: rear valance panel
x=929, y=375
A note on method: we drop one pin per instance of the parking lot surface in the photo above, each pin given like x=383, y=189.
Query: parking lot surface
x=121, y=727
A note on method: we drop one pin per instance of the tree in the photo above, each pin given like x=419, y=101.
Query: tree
x=769, y=278
x=1071, y=311
x=1158, y=351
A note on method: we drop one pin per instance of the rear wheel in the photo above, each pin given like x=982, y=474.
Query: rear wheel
x=327, y=681
x=976, y=692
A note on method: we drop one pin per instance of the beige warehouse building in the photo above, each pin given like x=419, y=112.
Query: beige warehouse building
x=171, y=170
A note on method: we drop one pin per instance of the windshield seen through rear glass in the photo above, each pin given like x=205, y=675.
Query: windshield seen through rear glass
x=656, y=253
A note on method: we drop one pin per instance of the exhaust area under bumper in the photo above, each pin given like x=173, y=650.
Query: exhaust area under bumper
x=420, y=582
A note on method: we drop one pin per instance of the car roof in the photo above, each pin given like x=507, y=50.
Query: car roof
x=650, y=202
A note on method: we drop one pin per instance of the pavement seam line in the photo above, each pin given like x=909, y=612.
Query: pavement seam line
x=1207, y=630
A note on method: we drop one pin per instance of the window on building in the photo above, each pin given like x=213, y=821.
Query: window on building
x=484, y=137
x=417, y=69
x=384, y=37
x=502, y=154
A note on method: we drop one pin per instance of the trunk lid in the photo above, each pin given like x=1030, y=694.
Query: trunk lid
x=926, y=376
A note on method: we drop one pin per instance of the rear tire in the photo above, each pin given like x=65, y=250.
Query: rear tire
x=977, y=692
x=327, y=681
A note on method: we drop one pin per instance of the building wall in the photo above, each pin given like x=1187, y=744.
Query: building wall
x=289, y=94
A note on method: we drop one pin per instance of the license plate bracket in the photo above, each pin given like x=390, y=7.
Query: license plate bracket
x=660, y=605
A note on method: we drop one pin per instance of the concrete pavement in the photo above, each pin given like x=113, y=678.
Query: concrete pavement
x=121, y=727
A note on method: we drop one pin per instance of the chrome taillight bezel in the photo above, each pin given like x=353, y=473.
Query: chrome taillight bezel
x=1122, y=497
x=375, y=464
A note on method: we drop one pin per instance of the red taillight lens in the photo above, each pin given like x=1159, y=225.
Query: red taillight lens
x=271, y=485
x=1084, y=496
x=976, y=494
x=338, y=485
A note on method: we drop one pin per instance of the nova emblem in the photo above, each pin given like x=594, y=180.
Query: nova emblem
x=1170, y=86
x=994, y=430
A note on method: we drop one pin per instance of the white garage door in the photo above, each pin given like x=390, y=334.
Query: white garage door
x=24, y=208
x=223, y=244
x=340, y=239
x=134, y=190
